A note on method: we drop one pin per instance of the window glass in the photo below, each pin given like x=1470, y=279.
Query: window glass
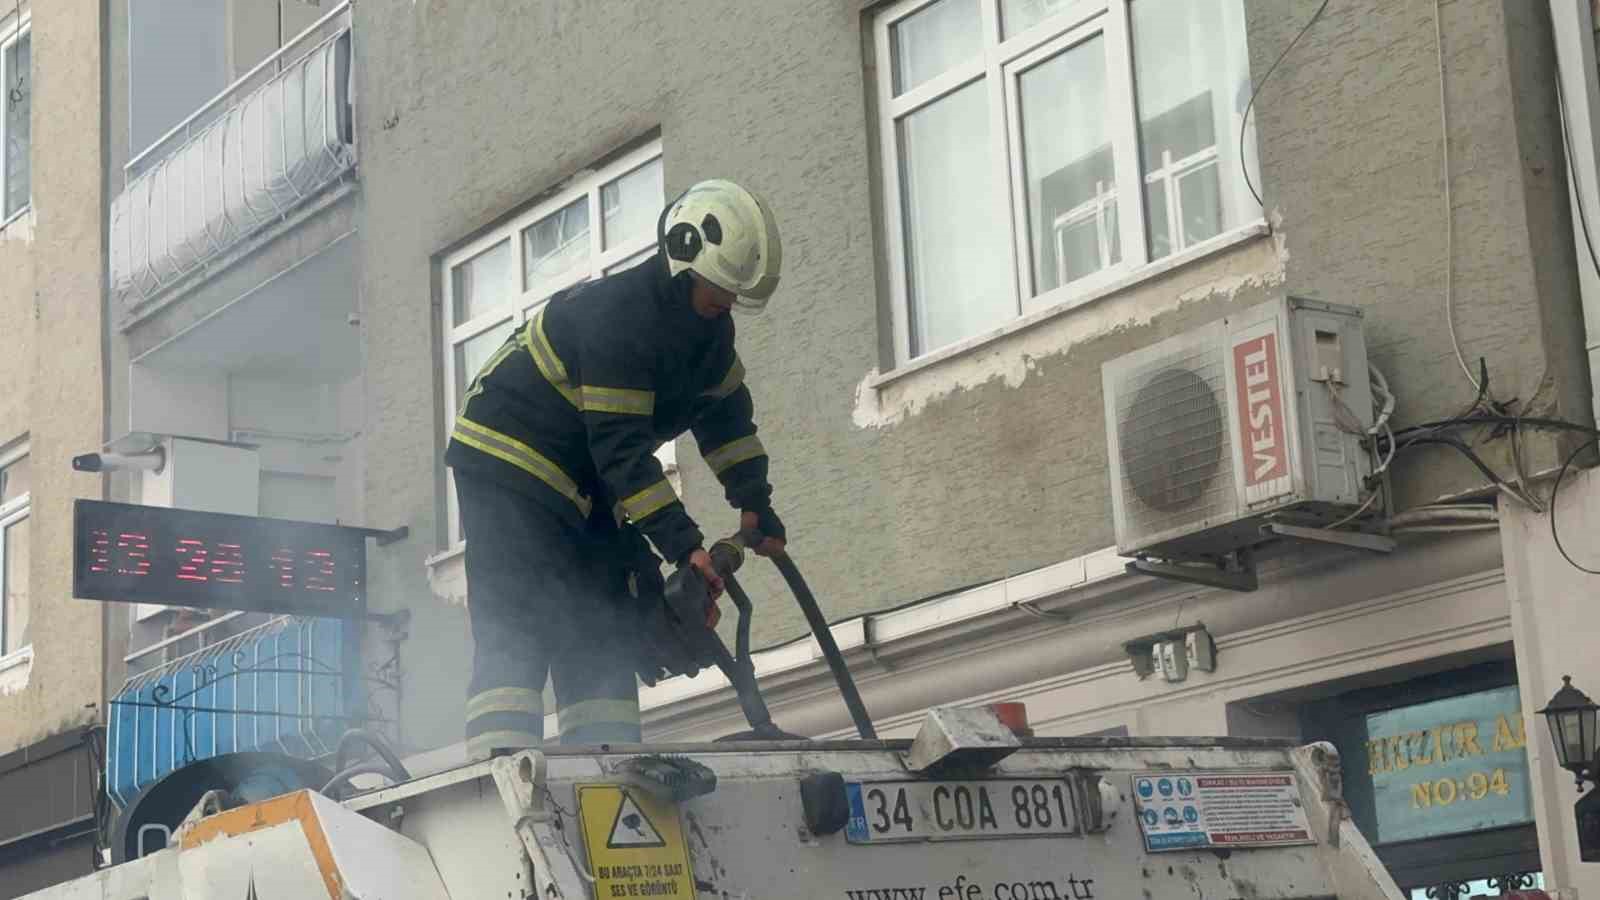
x=1067, y=164
x=473, y=352
x=1192, y=80
x=481, y=283
x=18, y=95
x=13, y=480
x=14, y=586
x=556, y=243
x=1017, y=16
x=1049, y=212
x=957, y=267
x=631, y=205
x=933, y=39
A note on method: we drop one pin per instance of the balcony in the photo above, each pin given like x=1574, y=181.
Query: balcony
x=262, y=151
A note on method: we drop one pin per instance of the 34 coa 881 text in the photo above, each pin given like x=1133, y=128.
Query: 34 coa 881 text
x=888, y=811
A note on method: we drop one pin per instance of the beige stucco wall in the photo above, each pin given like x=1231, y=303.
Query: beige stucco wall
x=50, y=364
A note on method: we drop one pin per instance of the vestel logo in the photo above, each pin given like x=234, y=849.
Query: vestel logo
x=1261, y=425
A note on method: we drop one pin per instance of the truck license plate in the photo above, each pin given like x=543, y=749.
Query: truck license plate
x=891, y=811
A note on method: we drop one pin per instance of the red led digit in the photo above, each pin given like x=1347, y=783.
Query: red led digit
x=193, y=554
x=321, y=574
x=134, y=550
x=283, y=563
x=227, y=564
x=99, y=551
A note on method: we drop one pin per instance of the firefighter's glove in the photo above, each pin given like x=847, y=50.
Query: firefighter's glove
x=774, y=539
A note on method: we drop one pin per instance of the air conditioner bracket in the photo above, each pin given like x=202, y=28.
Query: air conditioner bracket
x=1360, y=540
x=1241, y=576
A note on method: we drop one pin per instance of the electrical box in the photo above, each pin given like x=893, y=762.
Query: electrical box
x=1174, y=662
x=1200, y=650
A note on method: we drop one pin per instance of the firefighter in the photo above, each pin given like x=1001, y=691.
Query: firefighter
x=559, y=486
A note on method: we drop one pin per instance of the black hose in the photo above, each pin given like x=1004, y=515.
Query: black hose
x=397, y=769
x=368, y=767
x=830, y=648
x=739, y=667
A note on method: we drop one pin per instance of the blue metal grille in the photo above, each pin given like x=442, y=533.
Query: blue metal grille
x=278, y=686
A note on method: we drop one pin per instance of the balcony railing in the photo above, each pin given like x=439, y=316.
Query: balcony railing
x=275, y=139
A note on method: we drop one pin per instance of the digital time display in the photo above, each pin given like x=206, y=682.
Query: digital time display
x=125, y=553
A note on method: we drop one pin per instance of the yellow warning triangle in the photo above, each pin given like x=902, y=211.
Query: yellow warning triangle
x=632, y=828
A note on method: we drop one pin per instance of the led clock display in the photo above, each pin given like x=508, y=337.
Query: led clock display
x=145, y=554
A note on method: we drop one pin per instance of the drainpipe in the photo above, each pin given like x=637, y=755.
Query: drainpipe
x=1573, y=22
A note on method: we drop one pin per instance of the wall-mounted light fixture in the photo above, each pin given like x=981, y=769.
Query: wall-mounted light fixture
x=1572, y=719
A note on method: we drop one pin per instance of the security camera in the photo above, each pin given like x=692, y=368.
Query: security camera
x=151, y=461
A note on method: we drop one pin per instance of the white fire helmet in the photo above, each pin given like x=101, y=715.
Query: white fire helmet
x=726, y=235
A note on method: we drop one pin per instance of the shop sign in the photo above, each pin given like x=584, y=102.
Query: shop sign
x=1450, y=766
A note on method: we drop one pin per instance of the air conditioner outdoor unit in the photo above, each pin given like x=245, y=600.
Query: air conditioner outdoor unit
x=1233, y=426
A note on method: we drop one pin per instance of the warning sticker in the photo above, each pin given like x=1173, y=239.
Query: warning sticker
x=634, y=843
x=1187, y=810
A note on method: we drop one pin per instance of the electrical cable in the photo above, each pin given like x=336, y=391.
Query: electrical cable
x=1359, y=510
x=1244, y=120
x=1555, y=531
x=15, y=95
x=1449, y=211
x=1445, y=529
x=1487, y=419
x=1572, y=173
x=1462, y=448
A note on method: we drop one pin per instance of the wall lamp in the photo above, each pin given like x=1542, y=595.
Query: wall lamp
x=1571, y=716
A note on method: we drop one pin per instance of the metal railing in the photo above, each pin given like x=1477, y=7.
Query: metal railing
x=189, y=641
x=251, y=157
x=281, y=685
x=292, y=52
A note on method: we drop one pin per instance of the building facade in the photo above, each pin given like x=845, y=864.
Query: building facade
x=51, y=296
x=322, y=219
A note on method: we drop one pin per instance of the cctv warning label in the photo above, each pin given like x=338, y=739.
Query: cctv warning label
x=634, y=844
x=1186, y=810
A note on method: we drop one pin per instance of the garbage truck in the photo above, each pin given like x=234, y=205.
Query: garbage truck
x=967, y=810
x=974, y=807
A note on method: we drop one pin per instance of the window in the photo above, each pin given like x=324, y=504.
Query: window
x=1015, y=132
x=493, y=284
x=13, y=550
x=16, y=77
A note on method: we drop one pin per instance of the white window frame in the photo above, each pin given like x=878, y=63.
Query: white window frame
x=999, y=65
x=12, y=511
x=11, y=35
x=530, y=300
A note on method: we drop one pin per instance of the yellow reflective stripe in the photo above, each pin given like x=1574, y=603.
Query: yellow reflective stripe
x=730, y=382
x=734, y=452
x=522, y=456
x=597, y=712
x=544, y=356
x=649, y=501
x=618, y=400
x=506, y=699
x=481, y=746
x=476, y=386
